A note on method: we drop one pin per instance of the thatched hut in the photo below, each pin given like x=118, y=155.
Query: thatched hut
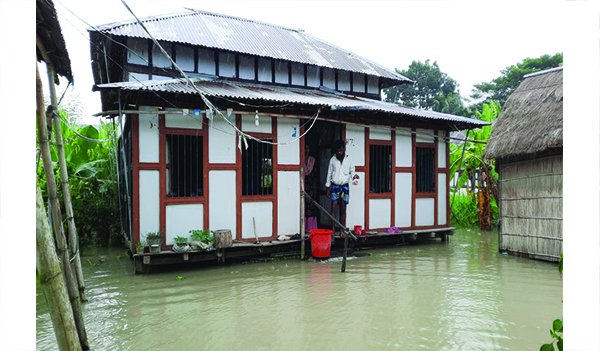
x=527, y=143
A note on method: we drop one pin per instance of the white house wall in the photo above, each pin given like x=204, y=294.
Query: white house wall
x=221, y=142
x=297, y=73
x=288, y=205
x=380, y=213
x=424, y=135
x=356, y=144
x=246, y=67
x=380, y=134
x=264, y=124
x=441, y=149
x=329, y=78
x=372, y=85
x=403, y=147
x=135, y=77
x=264, y=70
x=403, y=200
x=206, y=61
x=149, y=196
x=424, y=211
x=148, y=134
x=355, y=214
x=158, y=58
x=281, y=72
x=344, y=80
x=262, y=212
x=185, y=58
x=441, y=198
x=358, y=82
x=226, y=64
x=180, y=219
x=288, y=130
x=184, y=121
x=222, y=200
x=313, y=78
x=138, y=51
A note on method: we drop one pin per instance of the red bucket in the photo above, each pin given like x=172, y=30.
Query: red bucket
x=320, y=242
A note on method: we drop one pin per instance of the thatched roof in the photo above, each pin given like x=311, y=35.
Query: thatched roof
x=531, y=120
x=50, y=35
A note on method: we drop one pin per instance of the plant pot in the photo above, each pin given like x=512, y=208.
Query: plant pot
x=181, y=247
x=156, y=241
x=154, y=249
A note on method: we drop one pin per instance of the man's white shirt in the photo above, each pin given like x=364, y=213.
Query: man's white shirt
x=340, y=173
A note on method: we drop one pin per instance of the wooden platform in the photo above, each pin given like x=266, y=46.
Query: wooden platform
x=241, y=251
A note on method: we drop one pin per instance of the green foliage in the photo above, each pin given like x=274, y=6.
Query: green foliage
x=465, y=213
x=179, y=277
x=473, y=160
x=92, y=181
x=154, y=235
x=202, y=236
x=501, y=87
x=432, y=89
x=181, y=240
x=139, y=247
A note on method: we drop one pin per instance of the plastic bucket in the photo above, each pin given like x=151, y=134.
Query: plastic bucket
x=320, y=242
x=358, y=230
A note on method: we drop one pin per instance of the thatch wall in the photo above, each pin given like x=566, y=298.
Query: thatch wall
x=531, y=208
x=531, y=120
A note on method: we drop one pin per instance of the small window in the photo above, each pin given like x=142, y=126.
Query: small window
x=425, y=170
x=380, y=169
x=184, y=166
x=257, y=169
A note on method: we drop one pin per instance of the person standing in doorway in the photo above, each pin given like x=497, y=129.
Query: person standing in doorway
x=340, y=173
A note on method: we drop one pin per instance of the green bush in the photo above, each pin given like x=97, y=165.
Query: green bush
x=92, y=181
x=465, y=213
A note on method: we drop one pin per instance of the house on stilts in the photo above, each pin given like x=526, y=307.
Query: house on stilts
x=527, y=142
x=184, y=164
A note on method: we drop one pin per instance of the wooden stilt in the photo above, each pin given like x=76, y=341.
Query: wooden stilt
x=52, y=282
x=64, y=178
x=56, y=215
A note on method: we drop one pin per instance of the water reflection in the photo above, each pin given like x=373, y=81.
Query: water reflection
x=435, y=296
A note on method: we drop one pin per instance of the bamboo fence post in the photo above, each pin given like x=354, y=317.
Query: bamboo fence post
x=64, y=179
x=302, y=214
x=56, y=216
x=52, y=283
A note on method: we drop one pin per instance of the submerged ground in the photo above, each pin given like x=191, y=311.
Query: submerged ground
x=435, y=296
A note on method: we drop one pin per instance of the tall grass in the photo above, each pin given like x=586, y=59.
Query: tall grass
x=465, y=213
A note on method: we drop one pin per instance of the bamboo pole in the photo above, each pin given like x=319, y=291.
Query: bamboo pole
x=64, y=179
x=302, y=214
x=52, y=283
x=56, y=216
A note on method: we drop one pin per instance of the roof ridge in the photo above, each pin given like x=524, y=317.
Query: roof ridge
x=191, y=12
x=539, y=73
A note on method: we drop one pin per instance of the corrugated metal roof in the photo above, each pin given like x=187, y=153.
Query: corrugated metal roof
x=249, y=37
x=251, y=91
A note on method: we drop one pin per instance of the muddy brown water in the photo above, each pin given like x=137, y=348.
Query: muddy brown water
x=460, y=295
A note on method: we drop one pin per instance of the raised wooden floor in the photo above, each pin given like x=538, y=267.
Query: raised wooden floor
x=241, y=251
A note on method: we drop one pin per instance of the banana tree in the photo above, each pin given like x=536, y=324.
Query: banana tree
x=473, y=162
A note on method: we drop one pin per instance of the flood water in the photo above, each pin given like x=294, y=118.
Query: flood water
x=460, y=295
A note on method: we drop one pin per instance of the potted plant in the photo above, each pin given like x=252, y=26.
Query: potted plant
x=181, y=244
x=154, y=238
x=202, y=239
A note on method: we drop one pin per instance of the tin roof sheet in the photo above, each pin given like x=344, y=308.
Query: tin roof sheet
x=249, y=37
x=253, y=91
